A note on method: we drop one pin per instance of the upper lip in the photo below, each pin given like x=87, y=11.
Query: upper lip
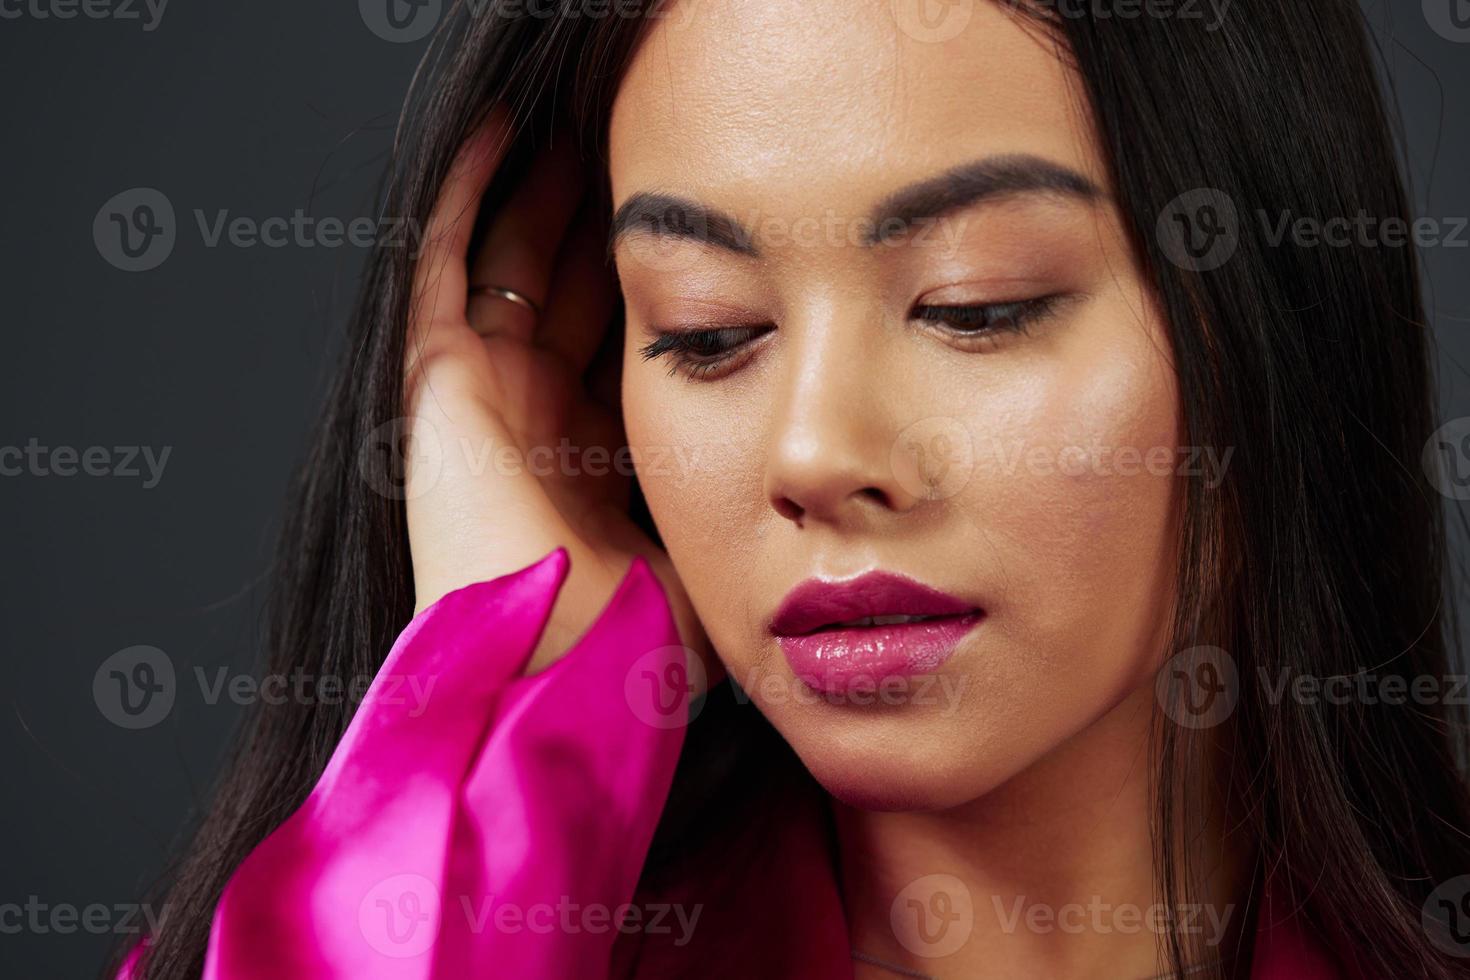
x=822, y=602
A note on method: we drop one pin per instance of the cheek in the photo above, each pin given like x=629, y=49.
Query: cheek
x=701, y=474
x=1076, y=491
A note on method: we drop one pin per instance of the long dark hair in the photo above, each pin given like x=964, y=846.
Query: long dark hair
x=1321, y=554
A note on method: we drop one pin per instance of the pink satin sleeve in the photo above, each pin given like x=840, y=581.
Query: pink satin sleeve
x=474, y=822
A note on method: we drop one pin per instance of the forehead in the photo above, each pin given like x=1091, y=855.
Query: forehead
x=838, y=100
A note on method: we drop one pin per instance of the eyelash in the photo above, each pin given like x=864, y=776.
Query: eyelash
x=984, y=319
x=699, y=353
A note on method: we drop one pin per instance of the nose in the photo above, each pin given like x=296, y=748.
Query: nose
x=833, y=432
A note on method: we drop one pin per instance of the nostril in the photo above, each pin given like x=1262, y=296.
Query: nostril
x=788, y=508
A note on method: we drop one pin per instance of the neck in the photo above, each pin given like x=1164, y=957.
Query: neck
x=1051, y=874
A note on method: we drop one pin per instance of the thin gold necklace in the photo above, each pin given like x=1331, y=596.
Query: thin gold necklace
x=903, y=971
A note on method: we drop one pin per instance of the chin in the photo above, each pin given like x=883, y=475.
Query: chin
x=893, y=763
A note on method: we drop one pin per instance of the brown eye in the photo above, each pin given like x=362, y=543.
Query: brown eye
x=1013, y=316
x=700, y=353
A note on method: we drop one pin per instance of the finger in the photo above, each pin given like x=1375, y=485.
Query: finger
x=439, y=281
x=583, y=294
x=519, y=250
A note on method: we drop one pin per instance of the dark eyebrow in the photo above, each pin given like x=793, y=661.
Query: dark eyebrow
x=969, y=184
x=992, y=178
x=670, y=216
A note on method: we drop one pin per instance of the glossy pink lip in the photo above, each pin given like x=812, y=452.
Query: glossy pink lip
x=838, y=660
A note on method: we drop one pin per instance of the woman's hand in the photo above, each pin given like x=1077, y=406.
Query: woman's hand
x=500, y=419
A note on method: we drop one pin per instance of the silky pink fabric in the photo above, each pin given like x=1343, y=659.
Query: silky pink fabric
x=470, y=813
x=490, y=792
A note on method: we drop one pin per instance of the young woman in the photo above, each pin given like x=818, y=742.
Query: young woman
x=1013, y=503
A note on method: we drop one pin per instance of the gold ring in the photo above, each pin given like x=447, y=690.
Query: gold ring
x=501, y=292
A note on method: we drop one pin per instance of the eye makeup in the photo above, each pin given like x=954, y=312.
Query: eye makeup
x=701, y=353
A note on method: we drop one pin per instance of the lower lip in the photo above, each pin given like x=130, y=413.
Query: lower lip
x=840, y=661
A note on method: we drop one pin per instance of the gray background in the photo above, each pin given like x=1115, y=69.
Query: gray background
x=220, y=353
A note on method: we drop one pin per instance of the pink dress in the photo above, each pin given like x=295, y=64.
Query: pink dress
x=476, y=823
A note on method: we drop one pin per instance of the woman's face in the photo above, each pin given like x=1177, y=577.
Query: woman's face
x=833, y=178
